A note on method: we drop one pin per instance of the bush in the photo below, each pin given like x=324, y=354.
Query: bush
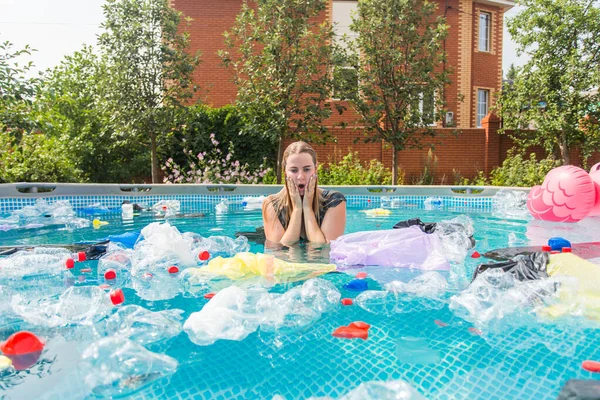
x=350, y=171
x=197, y=123
x=517, y=171
x=35, y=158
x=212, y=167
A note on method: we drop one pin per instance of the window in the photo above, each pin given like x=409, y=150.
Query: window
x=345, y=78
x=342, y=12
x=485, y=24
x=345, y=82
x=427, y=108
x=483, y=100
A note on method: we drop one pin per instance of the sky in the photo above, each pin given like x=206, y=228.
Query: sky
x=56, y=28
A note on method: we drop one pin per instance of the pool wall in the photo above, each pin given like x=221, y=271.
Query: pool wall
x=14, y=196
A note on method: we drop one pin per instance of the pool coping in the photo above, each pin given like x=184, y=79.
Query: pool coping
x=41, y=190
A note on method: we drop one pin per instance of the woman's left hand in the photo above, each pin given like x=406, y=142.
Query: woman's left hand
x=309, y=195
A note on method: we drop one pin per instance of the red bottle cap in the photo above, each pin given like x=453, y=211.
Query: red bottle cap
x=204, y=255
x=475, y=254
x=546, y=248
x=148, y=275
x=567, y=250
x=81, y=256
x=347, y=302
x=209, y=295
x=173, y=269
x=361, y=275
x=117, y=297
x=70, y=263
x=110, y=274
x=554, y=252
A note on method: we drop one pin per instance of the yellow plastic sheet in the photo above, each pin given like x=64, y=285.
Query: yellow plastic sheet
x=375, y=212
x=580, y=288
x=249, y=265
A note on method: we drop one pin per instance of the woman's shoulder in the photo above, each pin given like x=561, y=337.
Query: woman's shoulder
x=332, y=198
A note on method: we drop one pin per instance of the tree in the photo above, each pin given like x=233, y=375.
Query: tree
x=17, y=91
x=398, y=55
x=557, y=88
x=512, y=72
x=281, y=57
x=71, y=110
x=149, y=72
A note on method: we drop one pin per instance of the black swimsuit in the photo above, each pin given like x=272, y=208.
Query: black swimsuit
x=331, y=199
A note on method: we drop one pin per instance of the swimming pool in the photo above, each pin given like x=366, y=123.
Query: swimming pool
x=421, y=341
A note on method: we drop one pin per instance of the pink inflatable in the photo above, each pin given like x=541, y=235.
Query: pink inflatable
x=568, y=194
x=595, y=175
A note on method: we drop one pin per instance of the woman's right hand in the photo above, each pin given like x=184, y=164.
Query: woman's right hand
x=294, y=194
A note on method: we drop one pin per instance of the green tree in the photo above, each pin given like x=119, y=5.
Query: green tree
x=512, y=72
x=149, y=71
x=71, y=111
x=398, y=54
x=557, y=88
x=17, y=91
x=281, y=57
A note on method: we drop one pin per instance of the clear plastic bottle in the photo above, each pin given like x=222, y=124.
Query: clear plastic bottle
x=127, y=211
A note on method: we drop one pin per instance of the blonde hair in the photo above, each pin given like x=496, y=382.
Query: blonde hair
x=282, y=200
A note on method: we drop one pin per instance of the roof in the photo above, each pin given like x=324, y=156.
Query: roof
x=506, y=4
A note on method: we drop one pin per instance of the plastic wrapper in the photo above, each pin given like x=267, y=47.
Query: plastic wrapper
x=78, y=305
x=407, y=248
x=248, y=265
x=167, y=208
x=115, y=366
x=510, y=204
x=143, y=326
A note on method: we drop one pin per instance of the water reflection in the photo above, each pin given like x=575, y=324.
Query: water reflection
x=301, y=252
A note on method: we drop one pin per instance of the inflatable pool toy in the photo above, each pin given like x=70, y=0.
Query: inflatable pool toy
x=406, y=248
x=96, y=223
x=355, y=330
x=377, y=212
x=568, y=194
x=248, y=265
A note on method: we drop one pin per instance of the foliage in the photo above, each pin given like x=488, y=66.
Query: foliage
x=69, y=111
x=35, y=158
x=427, y=177
x=17, y=91
x=149, y=73
x=350, y=171
x=398, y=54
x=281, y=57
x=197, y=122
x=212, y=167
x=516, y=170
x=554, y=90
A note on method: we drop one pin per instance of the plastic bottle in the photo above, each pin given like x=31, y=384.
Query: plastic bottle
x=127, y=211
x=114, y=267
x=70, y=258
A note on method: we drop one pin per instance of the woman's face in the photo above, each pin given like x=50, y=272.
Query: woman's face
x=299, y=168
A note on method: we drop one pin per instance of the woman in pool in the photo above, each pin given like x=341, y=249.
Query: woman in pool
x=301, y=210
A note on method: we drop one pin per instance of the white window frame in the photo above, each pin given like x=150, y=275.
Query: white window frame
x=434, y=116
x=485, y=31
x=333, y=95
x=483, y=107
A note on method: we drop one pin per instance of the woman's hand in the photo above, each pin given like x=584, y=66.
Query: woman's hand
x=294, y=194
x=309, y=193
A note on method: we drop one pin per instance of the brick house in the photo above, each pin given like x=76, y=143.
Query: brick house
x=474, y=48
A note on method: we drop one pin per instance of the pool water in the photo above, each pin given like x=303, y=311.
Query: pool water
x=422, y=342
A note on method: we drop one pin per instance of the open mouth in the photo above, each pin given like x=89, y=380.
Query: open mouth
x=301, y=186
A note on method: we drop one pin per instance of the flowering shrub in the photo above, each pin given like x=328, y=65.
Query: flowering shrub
x=350, y=171
x=212, y=167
